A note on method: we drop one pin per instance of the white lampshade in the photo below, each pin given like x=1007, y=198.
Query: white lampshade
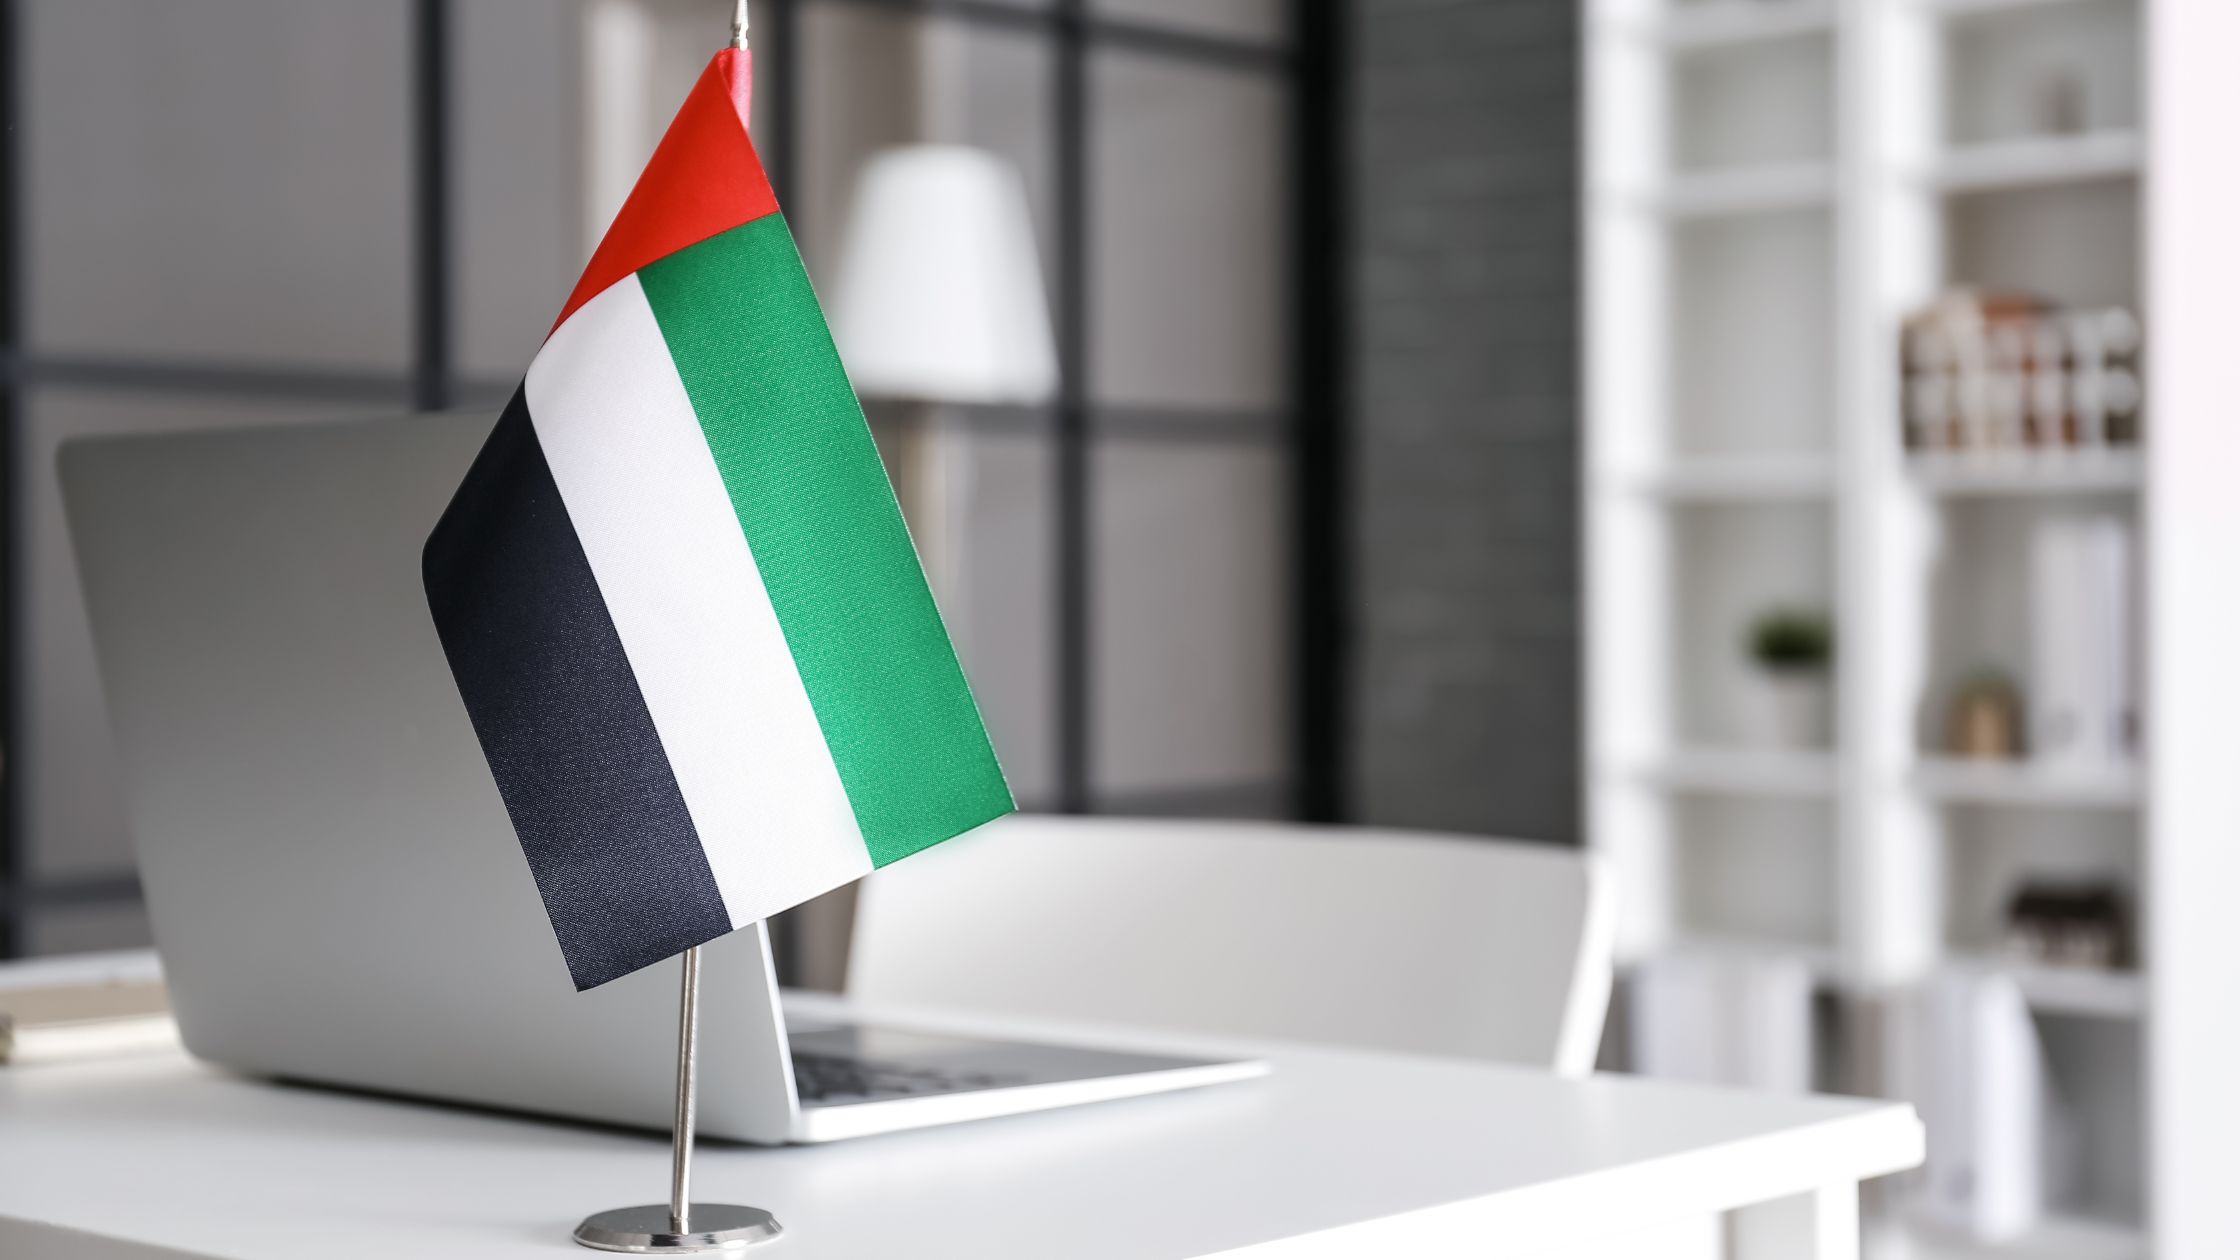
x=940, y=293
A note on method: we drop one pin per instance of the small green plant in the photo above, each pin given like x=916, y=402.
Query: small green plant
x=1792, y=640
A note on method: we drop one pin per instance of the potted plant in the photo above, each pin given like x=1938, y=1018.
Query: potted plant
x=1792, y=649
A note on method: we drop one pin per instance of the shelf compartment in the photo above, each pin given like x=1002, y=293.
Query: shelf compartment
x=1965, y=781
x=1989, y=856
x=1732, y=563
x=1768, y=189
x=1797, y=775
x=2092, y=992
x=2037, y=162
x=2021, y=473
x=1740, y=478
x=1754, y=868
x=1728, y=23
x=1748, y=341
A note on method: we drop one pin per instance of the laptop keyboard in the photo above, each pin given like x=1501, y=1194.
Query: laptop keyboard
x=832, y=1078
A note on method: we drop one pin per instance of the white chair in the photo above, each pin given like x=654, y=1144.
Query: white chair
x=1393, y=940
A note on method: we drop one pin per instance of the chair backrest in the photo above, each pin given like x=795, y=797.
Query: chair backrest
x=1394, y=940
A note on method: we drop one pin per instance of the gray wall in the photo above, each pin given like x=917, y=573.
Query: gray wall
x=1465, y=411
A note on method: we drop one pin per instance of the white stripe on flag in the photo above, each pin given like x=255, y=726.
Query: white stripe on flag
x=679, y=581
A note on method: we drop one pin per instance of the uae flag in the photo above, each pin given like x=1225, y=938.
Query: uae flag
x=677, y=594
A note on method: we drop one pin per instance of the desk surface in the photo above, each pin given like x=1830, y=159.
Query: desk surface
x=1400, y=1156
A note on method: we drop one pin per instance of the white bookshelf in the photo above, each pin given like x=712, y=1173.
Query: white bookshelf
x=1771, y=187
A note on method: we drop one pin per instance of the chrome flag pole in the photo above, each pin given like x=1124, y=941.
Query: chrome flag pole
x=688, y=1096
x=680, y=1225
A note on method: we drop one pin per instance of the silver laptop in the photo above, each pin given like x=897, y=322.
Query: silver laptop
x=333, y=883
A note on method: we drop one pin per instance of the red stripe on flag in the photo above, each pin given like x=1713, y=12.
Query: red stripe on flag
x=704, y=179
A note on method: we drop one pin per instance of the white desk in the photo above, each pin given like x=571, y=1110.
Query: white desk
x=1335, y=1154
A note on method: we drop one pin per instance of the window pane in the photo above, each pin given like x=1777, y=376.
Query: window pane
x=1189, y=236
x=976, y=492
x=229, y=179
x=519, y=203
x=859, y=94
x=1251, y=19
x=875, y=79
x=1190, y=647
x=1002, y=103
x=1003, y=608
x=73, y=810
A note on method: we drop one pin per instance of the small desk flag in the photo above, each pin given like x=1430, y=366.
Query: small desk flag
x=677, y=595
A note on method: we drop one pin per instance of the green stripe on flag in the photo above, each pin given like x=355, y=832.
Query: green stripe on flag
x=750, y=342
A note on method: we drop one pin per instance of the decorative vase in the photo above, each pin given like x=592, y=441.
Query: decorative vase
x=1986, y=722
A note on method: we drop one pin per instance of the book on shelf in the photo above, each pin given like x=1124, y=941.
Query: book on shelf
x=2083, y=698
x=1724, y=1020
x=1999, y=1144
x=1993, y=372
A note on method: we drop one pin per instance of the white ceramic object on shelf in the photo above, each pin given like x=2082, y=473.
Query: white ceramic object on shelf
x=1788, y=709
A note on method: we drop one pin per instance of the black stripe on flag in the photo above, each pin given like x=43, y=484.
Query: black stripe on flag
x=558, y=710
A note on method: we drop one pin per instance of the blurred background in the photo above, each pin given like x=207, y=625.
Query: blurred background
x=1178, y=588
x=272, y=210
x=1712, y=432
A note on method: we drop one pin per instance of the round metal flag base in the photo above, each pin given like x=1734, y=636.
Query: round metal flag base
x=645, y=1230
